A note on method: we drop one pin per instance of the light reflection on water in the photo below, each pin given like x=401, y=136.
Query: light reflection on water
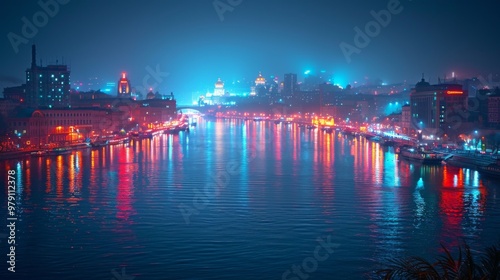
x=119, y=206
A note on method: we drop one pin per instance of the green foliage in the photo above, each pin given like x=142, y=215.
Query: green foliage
x=464, y=267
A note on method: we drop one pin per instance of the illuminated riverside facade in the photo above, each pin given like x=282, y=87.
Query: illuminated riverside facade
x=43, y=126
x=86, y=118
x=437, y=107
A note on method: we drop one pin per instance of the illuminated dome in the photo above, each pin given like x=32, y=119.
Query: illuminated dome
x=219, y=88
x=260, y=80
x=219, y=84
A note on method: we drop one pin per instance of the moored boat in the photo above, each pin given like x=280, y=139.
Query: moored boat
x=39, y=153
x=134, y=135
x=388, y=141
x=58, y=151
x=470, y=160
x=492, y=169
x=99, y=143
x=421, y=156
x=327, y=129
x=121, y=140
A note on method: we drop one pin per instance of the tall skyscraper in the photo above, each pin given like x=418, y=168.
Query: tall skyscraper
x=124, y=89
x=47, y=86
x=290, y=84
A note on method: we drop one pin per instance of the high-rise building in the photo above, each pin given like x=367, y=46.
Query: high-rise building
x=290, y=84
x=124, y=89
x=494, y=110
x=437, y=107
x=47, y=86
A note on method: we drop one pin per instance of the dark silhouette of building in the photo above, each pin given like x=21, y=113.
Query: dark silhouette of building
x=290, y=84
x=17, y=93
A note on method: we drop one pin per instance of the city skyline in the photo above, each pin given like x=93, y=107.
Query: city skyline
x=236, y=42
x=249, y=139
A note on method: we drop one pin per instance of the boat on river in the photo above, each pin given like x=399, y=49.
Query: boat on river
x=39, y=153
x=58, y=151
x=418, y=155
x=99, y=143
x=492, y=169
x=470, y=160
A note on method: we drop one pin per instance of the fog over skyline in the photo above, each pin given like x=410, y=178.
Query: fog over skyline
x=196, y=43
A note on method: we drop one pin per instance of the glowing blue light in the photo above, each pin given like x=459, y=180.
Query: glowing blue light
x=307, y=72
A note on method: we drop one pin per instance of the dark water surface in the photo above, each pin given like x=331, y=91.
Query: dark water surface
x=238, y=200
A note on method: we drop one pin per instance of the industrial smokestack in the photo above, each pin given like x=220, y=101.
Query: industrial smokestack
x=33, y=56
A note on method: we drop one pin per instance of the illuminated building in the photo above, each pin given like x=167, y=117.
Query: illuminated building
x=437, y=107
x=494, y=110
x=405, y=119
x=252, y=91
x=60, y=125
x=47, y=86
x=124, y=87
x=488, y=103
x=154, y=112
x=260, y=81
x=219, y=88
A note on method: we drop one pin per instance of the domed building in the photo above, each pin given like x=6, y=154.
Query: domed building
x=151, y=95
x=260, y=81
x=219, y=88
x=422, y=84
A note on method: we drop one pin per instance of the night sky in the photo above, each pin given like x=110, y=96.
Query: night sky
x=188, y=39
